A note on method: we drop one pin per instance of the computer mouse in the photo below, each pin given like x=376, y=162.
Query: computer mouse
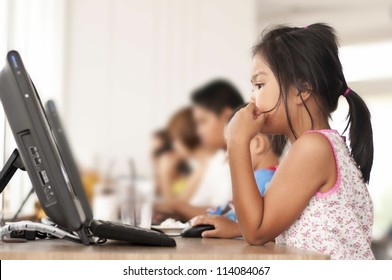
x=196, y=231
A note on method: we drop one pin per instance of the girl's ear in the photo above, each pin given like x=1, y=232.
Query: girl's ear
x=261, y=143
x=303, y=93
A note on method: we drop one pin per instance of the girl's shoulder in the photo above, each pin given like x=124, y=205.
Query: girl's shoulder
x=314, y=142
x=309, y=161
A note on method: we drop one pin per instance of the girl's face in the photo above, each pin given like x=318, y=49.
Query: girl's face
x=266, y=94
x=181, y=149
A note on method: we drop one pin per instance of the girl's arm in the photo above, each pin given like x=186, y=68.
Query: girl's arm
x=307, y=167
x=166, y=174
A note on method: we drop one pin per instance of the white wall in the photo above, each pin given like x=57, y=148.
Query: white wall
x=3, y=49
x=36, y=30
x=130, y=64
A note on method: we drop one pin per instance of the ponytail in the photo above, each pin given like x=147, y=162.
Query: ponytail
x=361, y=133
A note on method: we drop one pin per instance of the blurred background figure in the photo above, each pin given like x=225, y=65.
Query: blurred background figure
x=186, y=143
x=180, y=172
x=210, y=184
x=213, y=104
x=180, y=162
x=160, y=144
x=169, y=169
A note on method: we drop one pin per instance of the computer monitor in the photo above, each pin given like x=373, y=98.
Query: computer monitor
x=38, y=149
x=58, y=131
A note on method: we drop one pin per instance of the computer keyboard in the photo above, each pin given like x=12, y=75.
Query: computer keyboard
x=128, y=233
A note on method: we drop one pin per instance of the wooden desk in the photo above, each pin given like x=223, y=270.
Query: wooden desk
x=187, y=248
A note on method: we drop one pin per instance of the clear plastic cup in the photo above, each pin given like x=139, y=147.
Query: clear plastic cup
x=136, y=202
x=144, y=203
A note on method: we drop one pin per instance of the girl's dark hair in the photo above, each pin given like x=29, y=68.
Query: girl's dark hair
x=182, y=167
x=166, y=146
x=183, y=127
x=278, y=143
x=307, y=58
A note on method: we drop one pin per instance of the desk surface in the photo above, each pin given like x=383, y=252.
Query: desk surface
x=187, y=248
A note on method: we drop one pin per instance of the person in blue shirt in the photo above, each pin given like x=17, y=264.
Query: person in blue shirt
x=263, y=177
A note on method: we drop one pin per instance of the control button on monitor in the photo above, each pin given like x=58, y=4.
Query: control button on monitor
x=37, y=161
x=33, y=150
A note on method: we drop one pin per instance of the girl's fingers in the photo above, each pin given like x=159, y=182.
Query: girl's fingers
x=203, y=220
x=210, y=233
x=196, y=221
x=252, y=108
x=257, y=111
x=261, y=119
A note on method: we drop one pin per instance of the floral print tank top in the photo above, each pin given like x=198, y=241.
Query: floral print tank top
x=337, y=222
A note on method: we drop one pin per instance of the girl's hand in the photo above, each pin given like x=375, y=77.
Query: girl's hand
x=245, y=124
x=224, y=227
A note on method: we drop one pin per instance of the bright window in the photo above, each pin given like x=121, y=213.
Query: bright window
x=371, y=64
x=367, y=61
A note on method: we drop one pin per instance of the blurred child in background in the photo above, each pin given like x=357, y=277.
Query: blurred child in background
x=186, y=143
x=170, y=170
x=212, y=104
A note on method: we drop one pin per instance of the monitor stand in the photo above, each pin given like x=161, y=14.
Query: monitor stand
x=12, y=165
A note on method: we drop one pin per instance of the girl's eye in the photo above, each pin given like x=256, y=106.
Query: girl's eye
x=257, y=86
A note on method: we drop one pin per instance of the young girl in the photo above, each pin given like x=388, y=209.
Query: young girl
x=318, y=198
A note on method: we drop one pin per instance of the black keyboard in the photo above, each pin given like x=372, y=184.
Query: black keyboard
x=128, y=233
